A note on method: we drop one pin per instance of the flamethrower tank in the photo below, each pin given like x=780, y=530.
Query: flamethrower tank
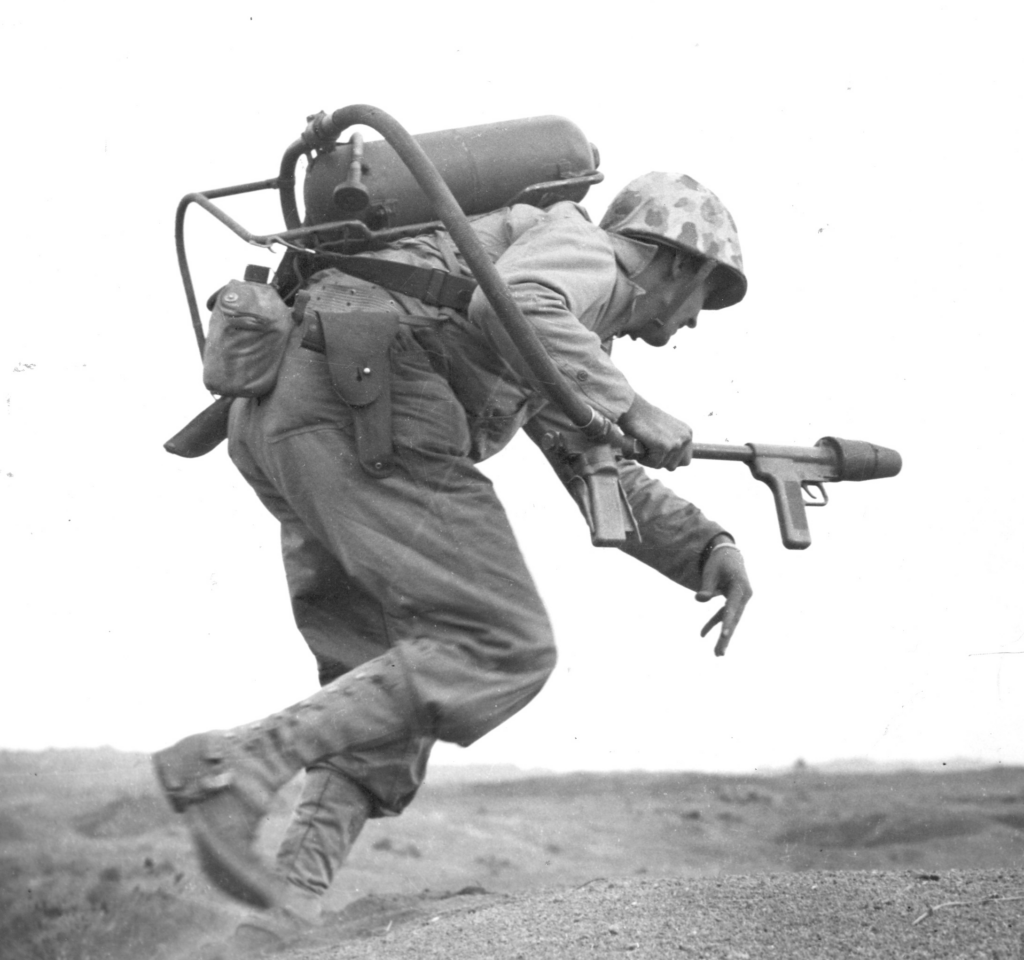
x=538, y=160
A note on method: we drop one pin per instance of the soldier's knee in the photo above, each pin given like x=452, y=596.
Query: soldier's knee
x=532, y=652
x=547, y=657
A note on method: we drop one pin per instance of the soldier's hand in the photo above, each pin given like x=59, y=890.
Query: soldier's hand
x=725, y=575
x=668, y=441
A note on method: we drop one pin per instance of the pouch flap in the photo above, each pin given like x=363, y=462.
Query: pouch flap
x=248, y=333
x=357, y=345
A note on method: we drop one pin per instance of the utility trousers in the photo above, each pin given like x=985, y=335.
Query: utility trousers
x=419, y=571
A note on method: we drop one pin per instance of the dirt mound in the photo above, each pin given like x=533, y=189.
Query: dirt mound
x=797, y=916
x=127, y=816
x=376, y=914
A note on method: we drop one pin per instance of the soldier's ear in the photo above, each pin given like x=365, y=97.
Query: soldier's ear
x=687, y=265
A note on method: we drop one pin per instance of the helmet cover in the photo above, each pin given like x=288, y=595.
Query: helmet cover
x=674, y=209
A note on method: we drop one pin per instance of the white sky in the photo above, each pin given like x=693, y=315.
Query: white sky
x=871, y=155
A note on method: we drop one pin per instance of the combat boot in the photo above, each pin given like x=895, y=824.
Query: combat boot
x=327, y=820
x=263, y=933
x=223, y=782
x=224, y=791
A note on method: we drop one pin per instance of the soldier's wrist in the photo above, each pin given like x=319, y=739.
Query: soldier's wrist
x=718, y=540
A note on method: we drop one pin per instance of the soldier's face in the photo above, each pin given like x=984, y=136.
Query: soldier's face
x=674, y=296
x=671, y=317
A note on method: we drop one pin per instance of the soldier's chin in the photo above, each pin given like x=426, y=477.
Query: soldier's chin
x=655, y=336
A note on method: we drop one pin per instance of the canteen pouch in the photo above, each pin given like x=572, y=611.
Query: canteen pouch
x=246, y=342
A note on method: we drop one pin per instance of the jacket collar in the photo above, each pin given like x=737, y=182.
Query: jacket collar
x=632, y=255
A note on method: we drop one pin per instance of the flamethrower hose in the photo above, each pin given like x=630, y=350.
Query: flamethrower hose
x=324, y=130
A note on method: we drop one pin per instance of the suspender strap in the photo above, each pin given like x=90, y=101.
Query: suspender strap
x=436, y=288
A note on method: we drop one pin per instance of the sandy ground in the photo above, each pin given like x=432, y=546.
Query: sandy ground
x=960, y=914
x=803, y=864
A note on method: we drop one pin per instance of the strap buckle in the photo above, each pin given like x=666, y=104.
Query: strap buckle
x=432, y=296
x=445, y=289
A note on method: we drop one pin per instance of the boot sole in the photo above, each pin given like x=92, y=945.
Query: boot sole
x=235, y=870
x=239, y=874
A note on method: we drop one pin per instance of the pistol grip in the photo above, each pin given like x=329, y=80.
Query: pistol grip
x=787, y=489
x=608, y=513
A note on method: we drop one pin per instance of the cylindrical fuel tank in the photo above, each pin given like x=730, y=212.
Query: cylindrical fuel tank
x=485, y=167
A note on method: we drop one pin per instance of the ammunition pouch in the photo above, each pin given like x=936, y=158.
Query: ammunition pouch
x=354, y=324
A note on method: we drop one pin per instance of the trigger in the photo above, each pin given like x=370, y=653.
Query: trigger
x=814, y=493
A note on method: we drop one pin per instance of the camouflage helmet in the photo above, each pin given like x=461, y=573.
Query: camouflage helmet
x=673, y=209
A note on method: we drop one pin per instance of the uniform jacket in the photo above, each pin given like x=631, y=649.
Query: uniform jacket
x=575, y=284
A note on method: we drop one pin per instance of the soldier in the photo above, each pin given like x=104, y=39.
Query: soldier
x=410, y=589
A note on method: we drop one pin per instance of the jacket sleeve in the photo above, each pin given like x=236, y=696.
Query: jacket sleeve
x=673, y=532
x=560, y=270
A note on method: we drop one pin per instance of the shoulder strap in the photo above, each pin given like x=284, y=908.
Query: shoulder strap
x=436, y=288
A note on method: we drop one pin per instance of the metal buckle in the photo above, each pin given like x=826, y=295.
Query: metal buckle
x=432, y=296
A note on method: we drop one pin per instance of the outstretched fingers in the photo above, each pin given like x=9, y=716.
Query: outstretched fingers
x=729, y=617
x=724, y=575
x=709, y=626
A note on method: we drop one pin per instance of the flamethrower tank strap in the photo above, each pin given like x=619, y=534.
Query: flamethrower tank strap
x=436, y=288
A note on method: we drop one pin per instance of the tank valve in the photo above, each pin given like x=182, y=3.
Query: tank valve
x=351, y=197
